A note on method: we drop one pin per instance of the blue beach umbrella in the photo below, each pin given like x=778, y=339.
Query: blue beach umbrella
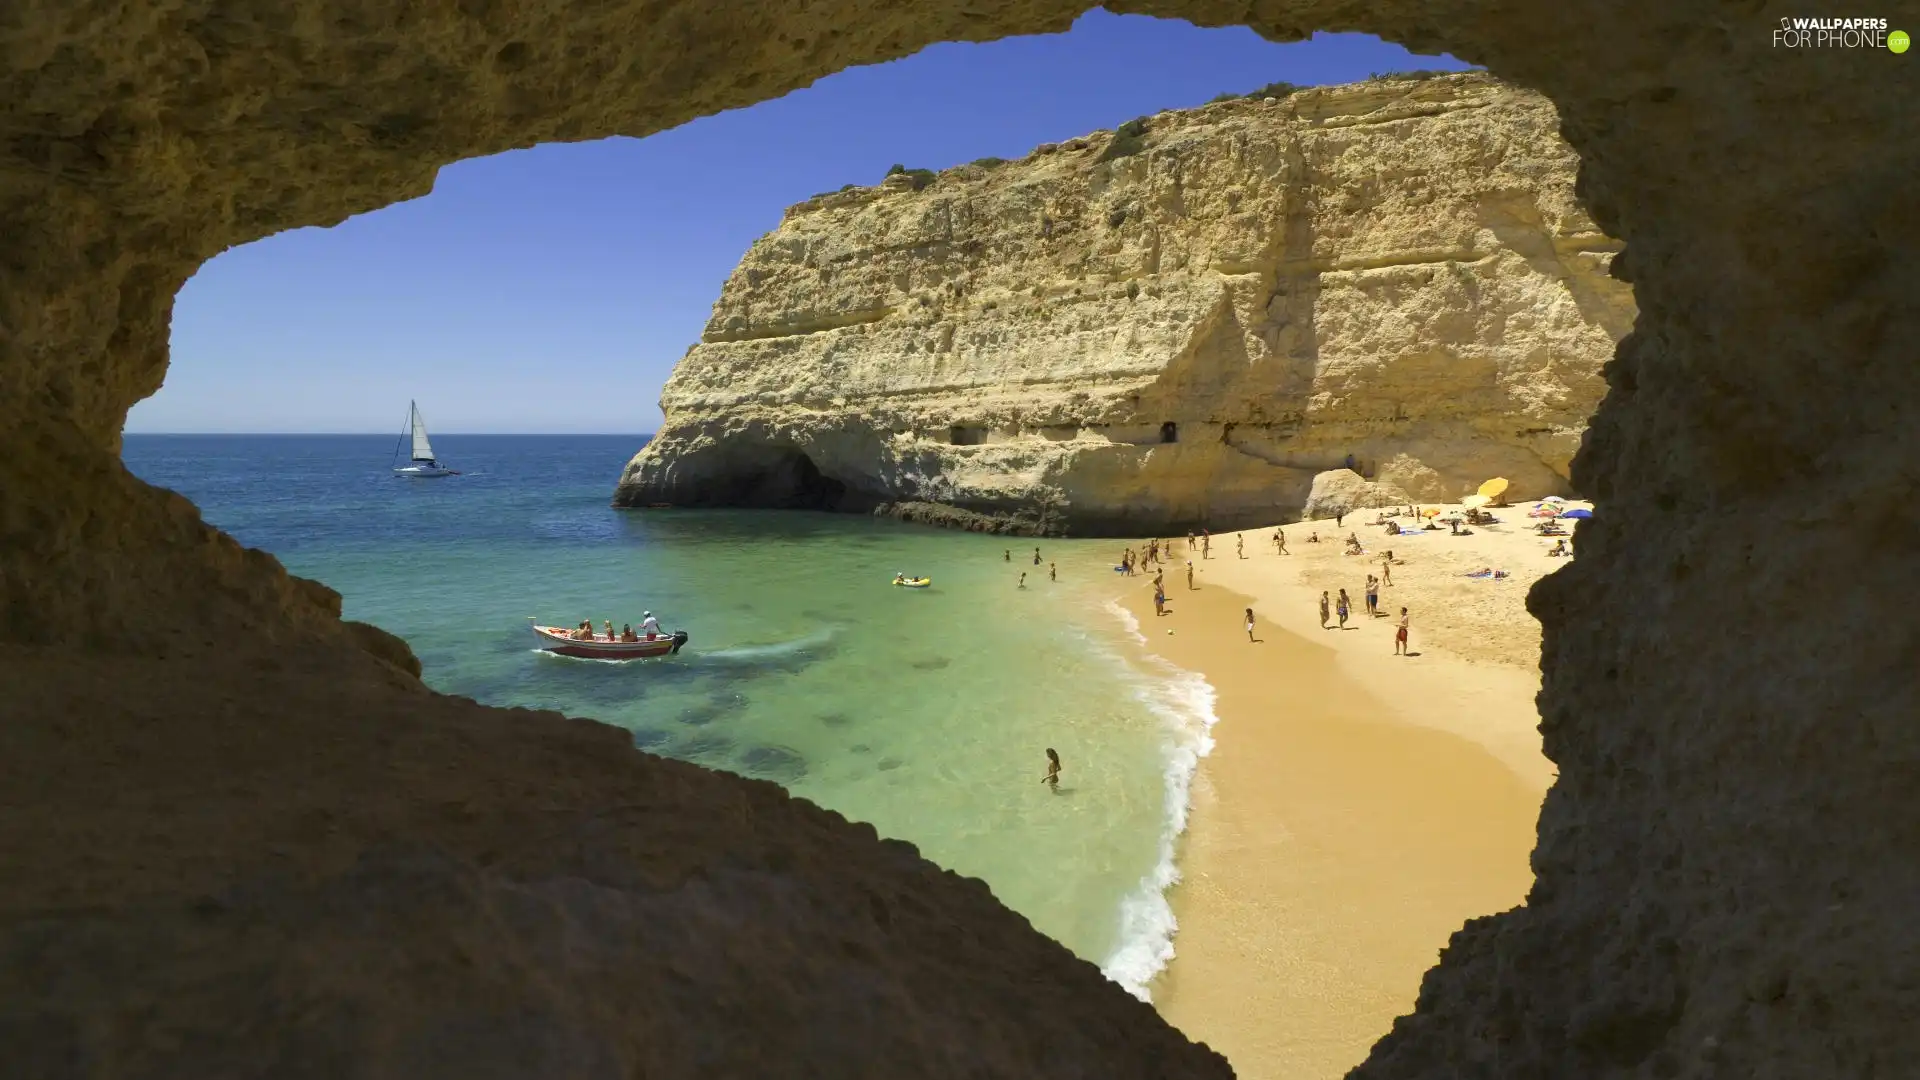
x=1577, y=514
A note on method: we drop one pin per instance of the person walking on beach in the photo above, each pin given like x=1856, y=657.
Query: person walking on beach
x=1338, y=517
x=1386, y=568
x=1206, y=545
x=1280, y=541
x=1189, y=575
x=1052, y=779
x=1373, y=596
x=1240, y=545
x=1323, y=609
x=1190, y=541
x=1342, y=608
x=1400, y=635
x=1250, y=636
x=1053, y=572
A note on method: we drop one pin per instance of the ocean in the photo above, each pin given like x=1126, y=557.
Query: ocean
x=924, y=712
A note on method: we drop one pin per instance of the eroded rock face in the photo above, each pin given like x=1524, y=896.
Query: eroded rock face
x=1146, y=332
x=1725, y=879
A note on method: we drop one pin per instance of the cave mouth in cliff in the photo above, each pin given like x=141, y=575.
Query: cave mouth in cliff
x=773, y=477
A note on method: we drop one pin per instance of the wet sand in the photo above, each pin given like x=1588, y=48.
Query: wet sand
x=1358, y=806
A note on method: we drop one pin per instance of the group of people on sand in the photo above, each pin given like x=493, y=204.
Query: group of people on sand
x=649, y=627
x=1342, y=609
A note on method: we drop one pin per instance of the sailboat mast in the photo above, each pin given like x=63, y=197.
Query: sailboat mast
x=405, y=430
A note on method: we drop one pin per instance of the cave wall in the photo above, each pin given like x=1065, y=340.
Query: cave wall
x=1725, y=880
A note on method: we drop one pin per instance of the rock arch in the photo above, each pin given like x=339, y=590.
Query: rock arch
x=1724, y=868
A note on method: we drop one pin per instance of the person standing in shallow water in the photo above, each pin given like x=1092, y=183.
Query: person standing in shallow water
x=1052, y=779
x=1036, y=556
x=1009, y=555
x=1053, y=572
x=1400, y=635
x=1023, y=579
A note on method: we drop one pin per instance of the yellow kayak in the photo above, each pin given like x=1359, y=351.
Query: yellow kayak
x=913, y=582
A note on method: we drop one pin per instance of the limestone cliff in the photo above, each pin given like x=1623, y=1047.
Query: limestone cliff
x=1179, y=322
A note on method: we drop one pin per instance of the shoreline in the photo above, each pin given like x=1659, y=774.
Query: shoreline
x=1357, y=807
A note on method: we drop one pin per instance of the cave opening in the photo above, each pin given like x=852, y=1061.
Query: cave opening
x=1679, y=169
x=1169, y=432
x=774, y=478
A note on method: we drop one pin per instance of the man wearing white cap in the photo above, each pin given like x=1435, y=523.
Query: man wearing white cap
x=649, y=625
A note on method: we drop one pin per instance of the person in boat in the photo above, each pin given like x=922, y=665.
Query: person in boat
x=583, y=632
x=899, y=578
x=610, y=636
x=649, y=625
x=627, y=634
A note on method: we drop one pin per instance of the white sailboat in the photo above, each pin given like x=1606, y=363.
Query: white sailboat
x=422, y=462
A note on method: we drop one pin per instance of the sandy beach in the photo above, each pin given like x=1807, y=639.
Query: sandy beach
x=1358, y=806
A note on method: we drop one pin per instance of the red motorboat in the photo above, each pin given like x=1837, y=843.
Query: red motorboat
x=559, y=639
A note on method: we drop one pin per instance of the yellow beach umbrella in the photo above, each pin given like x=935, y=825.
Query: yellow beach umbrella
x=1474, y=502
x=1492, y=488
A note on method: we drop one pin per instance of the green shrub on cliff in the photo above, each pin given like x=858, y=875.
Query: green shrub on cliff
x=1128, y=139
x=1273, y=90
x=920, y=177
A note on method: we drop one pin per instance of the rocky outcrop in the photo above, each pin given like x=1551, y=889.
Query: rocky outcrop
x=1342, y=491
x=1724, y=873
x=1173, y=324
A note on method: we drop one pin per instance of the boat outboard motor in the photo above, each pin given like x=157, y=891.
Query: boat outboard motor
x=679, y=639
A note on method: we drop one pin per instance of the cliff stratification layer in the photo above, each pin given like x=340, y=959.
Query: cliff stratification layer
x=1176, y=323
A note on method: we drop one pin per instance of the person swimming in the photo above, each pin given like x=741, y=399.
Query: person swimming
x=1052, y=779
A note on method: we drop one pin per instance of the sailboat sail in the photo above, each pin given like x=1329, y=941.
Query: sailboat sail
x=422, y=449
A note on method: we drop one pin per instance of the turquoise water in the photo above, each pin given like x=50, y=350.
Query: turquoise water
x=925, y=712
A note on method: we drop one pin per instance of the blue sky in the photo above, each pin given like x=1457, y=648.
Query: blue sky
x=552, y=289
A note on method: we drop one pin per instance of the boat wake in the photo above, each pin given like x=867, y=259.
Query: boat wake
x=775, y=654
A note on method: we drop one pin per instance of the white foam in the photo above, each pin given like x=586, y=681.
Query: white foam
x=1126, y=619
x=1184, y=701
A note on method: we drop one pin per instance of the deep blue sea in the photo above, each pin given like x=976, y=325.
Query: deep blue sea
x=925, y=712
